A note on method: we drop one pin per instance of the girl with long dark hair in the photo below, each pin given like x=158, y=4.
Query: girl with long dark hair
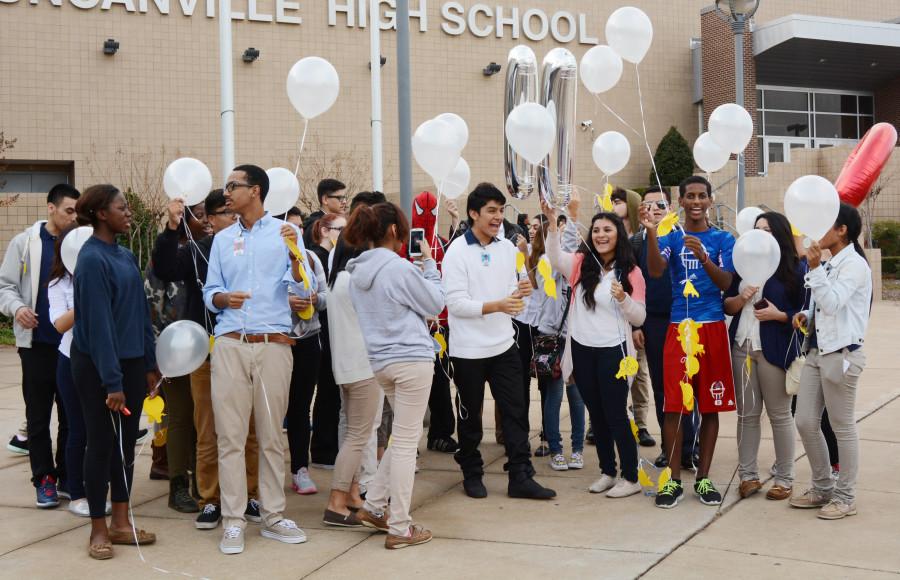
x=761, y=332
x=836, y=324
x=607, y=301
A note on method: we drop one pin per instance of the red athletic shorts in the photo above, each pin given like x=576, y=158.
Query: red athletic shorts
x=713, y=385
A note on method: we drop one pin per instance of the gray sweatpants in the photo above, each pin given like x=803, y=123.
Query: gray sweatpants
x=829, y=382
x=765, y=385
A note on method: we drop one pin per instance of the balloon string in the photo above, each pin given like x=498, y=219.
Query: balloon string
x=637, y=73
x=302, y=143
x=616, y=115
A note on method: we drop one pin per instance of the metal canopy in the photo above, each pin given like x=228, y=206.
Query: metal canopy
x=827, y=53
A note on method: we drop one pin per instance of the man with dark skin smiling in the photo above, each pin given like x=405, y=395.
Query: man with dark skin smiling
x=700, y=256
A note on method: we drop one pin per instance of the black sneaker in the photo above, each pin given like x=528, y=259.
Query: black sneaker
x=443, y=445
x=707, y=492
x=209, y=517
x=252, y=513
x=542, y=451
x=661, y=460
x=589, y=437
x=528, y=488
x=671, y=494
x=645, y=439
x=474, y=488
x=142, y=435
x=17, y=446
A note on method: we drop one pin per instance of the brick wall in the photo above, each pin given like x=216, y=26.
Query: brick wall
x=718, y=74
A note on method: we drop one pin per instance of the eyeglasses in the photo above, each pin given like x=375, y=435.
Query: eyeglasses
x=232, y=185
x=336, y=229
x=224, y=212
x=340, y=198
x=658, y=204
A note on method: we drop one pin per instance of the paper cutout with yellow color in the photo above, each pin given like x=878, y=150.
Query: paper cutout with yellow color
x=295, y=250
x=154, y=408
x=689, y=290
x=546, y=272
x=667, y=224
x=687, y=396
x=439, y=338
x=643, y=478
x=307, y=312
x=634, y=429
x=748, y=363
x=795, y=232
x=689, y=337
x=212, y=343
x=804, y=330
x=664, y=478
x=691, y=366
x=520, y=262
x=628, y=367
x=160, y=439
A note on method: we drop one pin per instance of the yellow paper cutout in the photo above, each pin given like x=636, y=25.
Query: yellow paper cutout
x=520, y=262
x=160, y=439
x=306, y=313
x=795, y=232
x=212, y=343
x=628, y=367
x=154, y=408
x=546, y=272
x=689, y=337
x=687, y=396
x=689, y=290
x=634, y=429
x=605, y=202
x=439, y=338
x=295, y=250
x=667, y=224
x=691, y=366
x=804, y=330
x=643, y=478
x=748, y=363
x=664, y=478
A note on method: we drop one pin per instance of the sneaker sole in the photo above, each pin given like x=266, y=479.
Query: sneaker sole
x=45, y=506
x=407, y=544
x=283, y=539
x=300, y=491
x=338, y=525
x=371, y=526
x=559, y=467
x=808, y=506
x=673, y=504
x=207, y=525
x=253, y=519
x=230, y=551
x=706, y=502
x=576, y=466
x=16, y=450
x=840, y=517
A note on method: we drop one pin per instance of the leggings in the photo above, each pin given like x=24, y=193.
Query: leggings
x=307, y=354
x=76, y=440
x=110, y=436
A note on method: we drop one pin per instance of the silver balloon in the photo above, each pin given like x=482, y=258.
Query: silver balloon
x=521, y=87
x=559, y=88
x=181, y=348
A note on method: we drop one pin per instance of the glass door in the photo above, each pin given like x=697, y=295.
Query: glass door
x=778, y=149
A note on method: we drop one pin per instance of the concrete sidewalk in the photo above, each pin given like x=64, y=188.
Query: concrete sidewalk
x=578, y=535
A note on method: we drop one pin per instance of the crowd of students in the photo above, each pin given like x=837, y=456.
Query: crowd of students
x=339, y=331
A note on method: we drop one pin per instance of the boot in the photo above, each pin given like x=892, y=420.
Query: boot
x=523, y=486
x=159, y=469
x=180, y=498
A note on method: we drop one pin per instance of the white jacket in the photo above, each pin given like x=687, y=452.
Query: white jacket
x=20, y=275
x=841, y=300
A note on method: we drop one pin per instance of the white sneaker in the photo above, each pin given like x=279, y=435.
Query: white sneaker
x=558, y=462
x=80, y=507
x=303, y=483
x=624, y=488
x=284, y=531
x=232, y=540
x=576, y=461
x=604, y=483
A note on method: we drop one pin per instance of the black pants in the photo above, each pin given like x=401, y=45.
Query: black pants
x=525, y=344
x=307, y=356
x=655, y=329
x=606, y=399
x=439, y=401
x=503, y=374
x=40, y=390
x=110, y=436
x=327, y=406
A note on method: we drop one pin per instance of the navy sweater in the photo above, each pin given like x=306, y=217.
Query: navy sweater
x=112, y=317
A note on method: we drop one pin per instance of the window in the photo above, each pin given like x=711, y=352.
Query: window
x=786, y=124
x=836, y=127
x=33, y=176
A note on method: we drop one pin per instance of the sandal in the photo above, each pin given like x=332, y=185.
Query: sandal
x=101, y=551
x=127, y=538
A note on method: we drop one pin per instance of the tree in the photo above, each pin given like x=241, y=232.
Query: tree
x=674, y=159
x=6, y=145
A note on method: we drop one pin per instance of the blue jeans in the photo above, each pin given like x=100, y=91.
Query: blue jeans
x=77, y=439
x=552, y=390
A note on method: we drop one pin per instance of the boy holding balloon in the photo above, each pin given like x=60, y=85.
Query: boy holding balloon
x=698, y=258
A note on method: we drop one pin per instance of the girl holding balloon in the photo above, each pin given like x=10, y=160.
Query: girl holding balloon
x=836, y=323
x=764, y=345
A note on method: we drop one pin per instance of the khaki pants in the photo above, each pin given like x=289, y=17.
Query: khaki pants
x=208, y=448
x=360, y=402
x=640, y=391
x=407, y=387
x=250, y=379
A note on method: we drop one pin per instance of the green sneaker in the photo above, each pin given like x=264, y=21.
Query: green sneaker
x=671, y=494
x=707, y=492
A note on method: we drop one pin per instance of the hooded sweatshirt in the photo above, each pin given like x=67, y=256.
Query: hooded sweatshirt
x=392, y=299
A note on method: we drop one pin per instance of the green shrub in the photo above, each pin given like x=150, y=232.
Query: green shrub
x=674, y=159
x=890, y=266
x=886, y=235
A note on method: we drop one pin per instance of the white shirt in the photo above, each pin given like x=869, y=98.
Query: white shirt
x=604, y=326
x=61, y=295
x=472, y=275
x=748, y=326
x=349, y=358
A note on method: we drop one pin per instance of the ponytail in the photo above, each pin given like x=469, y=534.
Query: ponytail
x=849, y=217
x=370, y=225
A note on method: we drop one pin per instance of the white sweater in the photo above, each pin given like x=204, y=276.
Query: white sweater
x=349, y=358
x=474, y=274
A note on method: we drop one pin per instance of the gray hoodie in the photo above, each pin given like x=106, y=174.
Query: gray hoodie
x=19, y=277
x=393, y=298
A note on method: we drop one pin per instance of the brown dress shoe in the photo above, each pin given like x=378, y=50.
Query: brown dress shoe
x=749, y=487
x=370, y=520
x=778, y=492
x=418, y=535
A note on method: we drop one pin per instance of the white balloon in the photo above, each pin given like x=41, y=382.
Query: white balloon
x=630, y=33
x=708, y=155
x=756, y=256
x=181, y=348
x=459, y=126
x=811, y=204
x=189, y=179
x=531, y=130
x=746, y=219
x=71, y=245
x=284, y=189
x=312, y=86
x=436, y=148
x=455, y=184
x=600, y=68
x=611, y=152
x=731, y=127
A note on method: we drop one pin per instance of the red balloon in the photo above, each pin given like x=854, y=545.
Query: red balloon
x=864, y=165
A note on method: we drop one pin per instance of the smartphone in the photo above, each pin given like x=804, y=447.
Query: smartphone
x=416, y=236
x=761, y=304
